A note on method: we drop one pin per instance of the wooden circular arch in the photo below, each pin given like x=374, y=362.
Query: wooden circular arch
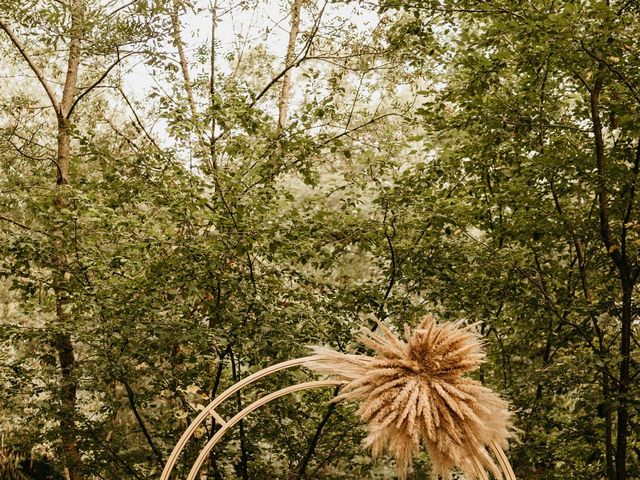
x=209, y=410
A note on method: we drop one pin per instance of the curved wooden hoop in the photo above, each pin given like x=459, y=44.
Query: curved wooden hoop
x=246, y=411
x=209, y=409
x=480, y=471
x=504, y=461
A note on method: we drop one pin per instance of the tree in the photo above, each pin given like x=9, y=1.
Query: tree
x=475, y=160
x=82, y=44
x=533, y=123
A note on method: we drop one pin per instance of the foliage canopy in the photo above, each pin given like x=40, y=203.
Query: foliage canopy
x=181, y=206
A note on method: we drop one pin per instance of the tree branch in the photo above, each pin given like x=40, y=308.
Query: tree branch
x=362, y=125
x=32, y=65
x=126, y=5
x=630, y=204
x=605, y=228
x=393, y=272
x=613, y=70
x=301, y=57
x=99, y=80
x=145, y=432
x=313, y=443
x=138, y=121
x=21, y=225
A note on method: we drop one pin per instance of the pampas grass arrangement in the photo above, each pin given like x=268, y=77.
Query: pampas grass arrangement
x=416, y=391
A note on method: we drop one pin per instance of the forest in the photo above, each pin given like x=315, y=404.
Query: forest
x=192, y=191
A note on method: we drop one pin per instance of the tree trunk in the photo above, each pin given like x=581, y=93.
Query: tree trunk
x=608, y=421
x=64, y=342
x=623, y=389
x=290, y=57
x=68, y=388
x=212, y=88
x=242, y=467
x=618, y=257
x=177, y=40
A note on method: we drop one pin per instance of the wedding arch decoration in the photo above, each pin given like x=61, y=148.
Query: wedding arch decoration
x=413, y=392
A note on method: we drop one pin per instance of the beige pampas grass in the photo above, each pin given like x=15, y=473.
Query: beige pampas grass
x=415, y=391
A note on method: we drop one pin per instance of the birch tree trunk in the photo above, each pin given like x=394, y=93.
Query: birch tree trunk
x=212, y=87
x=283, y=104
x=184, y=66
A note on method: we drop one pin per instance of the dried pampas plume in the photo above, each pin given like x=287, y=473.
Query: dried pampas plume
x=416, y=391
